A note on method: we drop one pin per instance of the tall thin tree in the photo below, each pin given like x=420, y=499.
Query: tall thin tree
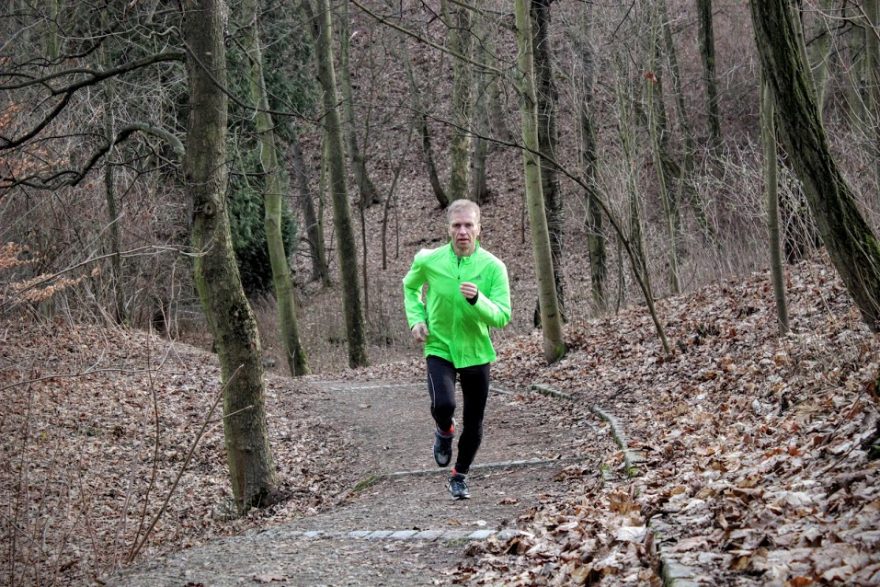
x=596, y=241
x=768, y=139
x=710, y=82
x=551, y=319
x=368, y=193
x=275, y=188
x=345, y=239
x=461, y=42
x=547, y=95
x=851, y=244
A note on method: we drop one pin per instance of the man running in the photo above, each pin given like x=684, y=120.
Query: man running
x=468, y=292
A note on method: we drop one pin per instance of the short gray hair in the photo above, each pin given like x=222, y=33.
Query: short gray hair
x=460, y=206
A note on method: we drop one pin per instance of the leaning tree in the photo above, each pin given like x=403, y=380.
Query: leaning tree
x=851, y=243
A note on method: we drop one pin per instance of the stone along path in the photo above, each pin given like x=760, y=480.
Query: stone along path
x=398, y=524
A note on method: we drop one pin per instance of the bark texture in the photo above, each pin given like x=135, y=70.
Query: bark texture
x=461, y=42
x=226, y=308
x=596, y=241
x=707, y=53
x=368, y=192
x=547, y=96
x=852, y=245
x=768, y=138
x=345, y=239
x=314, y=227
x=276, y=187
x=551, y=320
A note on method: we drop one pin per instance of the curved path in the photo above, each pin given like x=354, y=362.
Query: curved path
x=398, y=525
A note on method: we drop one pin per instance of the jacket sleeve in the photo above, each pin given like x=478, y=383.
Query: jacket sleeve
x=493, y=306
x=412, y=290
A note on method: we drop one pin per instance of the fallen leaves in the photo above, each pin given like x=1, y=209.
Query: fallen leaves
x=757, y=468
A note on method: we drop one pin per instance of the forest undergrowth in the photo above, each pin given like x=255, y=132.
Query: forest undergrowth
x=758, y=457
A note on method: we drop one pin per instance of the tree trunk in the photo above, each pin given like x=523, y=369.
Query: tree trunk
x=659, y=148
x=421, y=121
x=851, y=244
x=113, y=217
x=320, y=270
x=227, y=311
x=460, y=42
x=479, y=191
x=276, y=189
x=821, y=46
x=551, y=320
x=707, y=53
x=547, y=138
x=686, y=176
x=368, y=192
x=596, y=242
x=345, y=239
x=872, y=79
x=768, y=138
x=634, y=246
x=119, y=313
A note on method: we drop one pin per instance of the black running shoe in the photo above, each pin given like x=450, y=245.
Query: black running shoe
x=457, y=486
x=443, y=446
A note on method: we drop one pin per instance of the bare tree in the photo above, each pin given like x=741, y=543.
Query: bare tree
x=768, y=139
x=851, y=243
x=551, y=319
x=251, y=468
x=707, y=53
x=320, y=19
x=276, y=188
x=547, y=96
x=459, y=20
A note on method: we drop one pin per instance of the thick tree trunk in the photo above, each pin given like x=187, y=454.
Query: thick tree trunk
x=707, y=53
x=460, y=42
x=547, y=138
x=768, y=138
x=551, y=320
x=314, y=229
x=276, y=189
x=345, y=239
x=228, y=313
x=852, y=245
x=368, y=192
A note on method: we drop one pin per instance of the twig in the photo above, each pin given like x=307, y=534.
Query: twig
x=155, y=470
x=189, y=455
x=27, y=430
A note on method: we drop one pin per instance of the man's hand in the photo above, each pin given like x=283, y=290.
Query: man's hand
x=468, y=290
x=420, y=332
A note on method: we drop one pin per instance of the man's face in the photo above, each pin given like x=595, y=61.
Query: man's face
x=464, y=229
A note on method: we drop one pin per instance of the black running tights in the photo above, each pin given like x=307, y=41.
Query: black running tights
x=474, y=391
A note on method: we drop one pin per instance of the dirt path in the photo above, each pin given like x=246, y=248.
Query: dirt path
x=397, y=525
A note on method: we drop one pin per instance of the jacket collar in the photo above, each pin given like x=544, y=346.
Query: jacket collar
x=467, y=259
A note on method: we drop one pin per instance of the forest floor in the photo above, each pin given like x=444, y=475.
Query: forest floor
x=751, y=458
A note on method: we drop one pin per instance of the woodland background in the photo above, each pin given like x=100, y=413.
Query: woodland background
x=649, y=113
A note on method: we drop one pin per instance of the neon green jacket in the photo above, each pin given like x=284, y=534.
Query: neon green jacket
x=458, y=330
